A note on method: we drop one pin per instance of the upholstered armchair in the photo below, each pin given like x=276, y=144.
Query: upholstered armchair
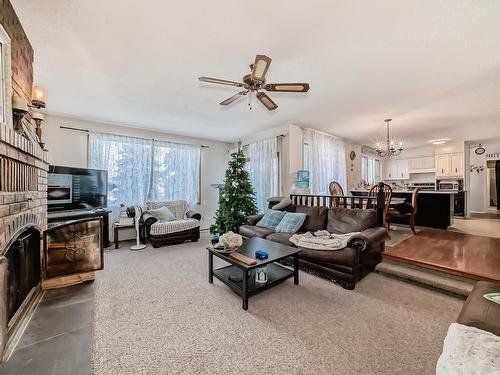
x=185, y=227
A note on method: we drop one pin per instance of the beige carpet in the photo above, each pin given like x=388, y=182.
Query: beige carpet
x=399, y=234
x=156, y=314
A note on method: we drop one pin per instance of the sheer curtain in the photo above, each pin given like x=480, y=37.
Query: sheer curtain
x=176, y=172
x=263, y=169
x=141, y=170
x=326, y=160
x=128, y=162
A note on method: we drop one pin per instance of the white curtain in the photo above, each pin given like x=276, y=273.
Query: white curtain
x=128, y=162
x=175, y=172
x=264, y=170
x=326, y=161
x=141, y=170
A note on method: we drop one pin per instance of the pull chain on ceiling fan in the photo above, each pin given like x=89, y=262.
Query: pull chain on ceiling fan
x=255, y=82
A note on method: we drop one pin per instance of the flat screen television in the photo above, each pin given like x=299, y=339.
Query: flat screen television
x=76, y=188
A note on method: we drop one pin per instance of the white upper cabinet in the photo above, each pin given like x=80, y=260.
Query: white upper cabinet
x=421, y=165
x=402, y=168
x=450, y=165
x=396, y=169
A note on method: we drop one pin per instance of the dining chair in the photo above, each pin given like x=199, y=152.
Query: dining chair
x=405, y=210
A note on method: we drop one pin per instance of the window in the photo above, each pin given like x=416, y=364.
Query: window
x=324, y=157
x=370, y=170
x=263, y=168
x=141, y=170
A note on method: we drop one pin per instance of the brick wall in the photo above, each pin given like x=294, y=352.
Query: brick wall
x=23, y=164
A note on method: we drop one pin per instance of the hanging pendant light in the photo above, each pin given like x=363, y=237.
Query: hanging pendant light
x=390, y=148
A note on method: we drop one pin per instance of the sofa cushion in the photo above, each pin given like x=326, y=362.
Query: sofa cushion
x=346, y=257
x=254, y=231
x=291, y=222
x=347, y=220
x=178, y=208
x=316, y=218
x=282, y=238
x=163, y=214
x=158, y=229
x=271, y=219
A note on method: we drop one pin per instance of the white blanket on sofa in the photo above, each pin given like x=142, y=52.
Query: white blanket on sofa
x=321, y=240
x=469, y=350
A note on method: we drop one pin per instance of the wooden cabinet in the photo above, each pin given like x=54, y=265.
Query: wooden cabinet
x=402, y=168
x=457, y=164
x=421, y=165
x=396, y=169
x=450, y=165
x=390, y=170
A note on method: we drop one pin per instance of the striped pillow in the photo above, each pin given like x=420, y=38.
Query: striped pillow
x=271, y=219
x=291, y=222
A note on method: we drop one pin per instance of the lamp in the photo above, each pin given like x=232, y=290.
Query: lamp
x=38, y=97
x=19, y=110
x=390, y=148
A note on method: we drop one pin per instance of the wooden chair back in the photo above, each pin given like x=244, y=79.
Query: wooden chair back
x=387, y=195
x=414, y=197
x=335, y=188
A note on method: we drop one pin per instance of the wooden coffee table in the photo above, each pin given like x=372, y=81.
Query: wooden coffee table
x=239, y=276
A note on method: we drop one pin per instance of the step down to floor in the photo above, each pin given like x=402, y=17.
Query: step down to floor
x=430, y=278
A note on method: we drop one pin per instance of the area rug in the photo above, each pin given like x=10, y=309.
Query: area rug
x=156, y=313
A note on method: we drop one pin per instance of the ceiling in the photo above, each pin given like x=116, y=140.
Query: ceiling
x=433, y=66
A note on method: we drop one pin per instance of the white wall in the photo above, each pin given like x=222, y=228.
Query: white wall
x=69, y=148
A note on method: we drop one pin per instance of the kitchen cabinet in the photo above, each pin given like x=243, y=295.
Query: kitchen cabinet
x=457, y=164
x=396, y=169
x=450, y=165
x=402, y=168
x=421, y=165
x=390, y=170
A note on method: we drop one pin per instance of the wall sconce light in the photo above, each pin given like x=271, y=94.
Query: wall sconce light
x=19, y=110
x=38, y=118
x=38, y=97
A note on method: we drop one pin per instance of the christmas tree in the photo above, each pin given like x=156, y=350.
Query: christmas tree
x=237, y=200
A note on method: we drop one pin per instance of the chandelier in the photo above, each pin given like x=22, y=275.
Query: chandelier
x=390, y=148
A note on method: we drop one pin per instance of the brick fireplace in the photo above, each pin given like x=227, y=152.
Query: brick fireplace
x=23, y=196
x=23, y=218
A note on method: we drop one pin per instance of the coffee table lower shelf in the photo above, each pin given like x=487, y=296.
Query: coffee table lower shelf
x=275, y=275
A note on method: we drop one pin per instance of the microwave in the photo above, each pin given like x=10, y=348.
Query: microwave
x=452, y=185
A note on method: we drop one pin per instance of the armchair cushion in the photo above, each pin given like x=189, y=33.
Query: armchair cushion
x=158, y=229
x=368, y=238
x=148, y=218
x=178, y=208
x=163, y=214
x=193, y=215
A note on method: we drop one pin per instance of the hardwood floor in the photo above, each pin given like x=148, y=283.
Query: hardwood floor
x=467, y=255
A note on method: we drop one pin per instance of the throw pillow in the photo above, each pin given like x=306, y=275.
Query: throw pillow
x=291, y=222
x=271, y=219
x=163, y=214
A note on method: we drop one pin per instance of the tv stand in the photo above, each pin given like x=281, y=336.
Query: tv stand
x=63, y=216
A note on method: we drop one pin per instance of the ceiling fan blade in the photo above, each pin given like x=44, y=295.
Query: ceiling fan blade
x=260, y=67
x=266, y=100
x=288, y=87
x=233, y=98
x=220, y=81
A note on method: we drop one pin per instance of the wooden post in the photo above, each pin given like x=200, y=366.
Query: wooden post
x=381, y=204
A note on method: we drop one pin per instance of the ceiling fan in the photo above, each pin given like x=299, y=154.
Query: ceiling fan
x=255, y=82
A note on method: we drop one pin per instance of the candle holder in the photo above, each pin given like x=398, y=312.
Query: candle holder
x=38, y=118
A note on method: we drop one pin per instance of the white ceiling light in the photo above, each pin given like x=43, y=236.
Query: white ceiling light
x=439, y=141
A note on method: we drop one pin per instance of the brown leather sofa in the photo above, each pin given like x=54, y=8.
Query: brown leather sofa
x=346, y=266
x=478, y=312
